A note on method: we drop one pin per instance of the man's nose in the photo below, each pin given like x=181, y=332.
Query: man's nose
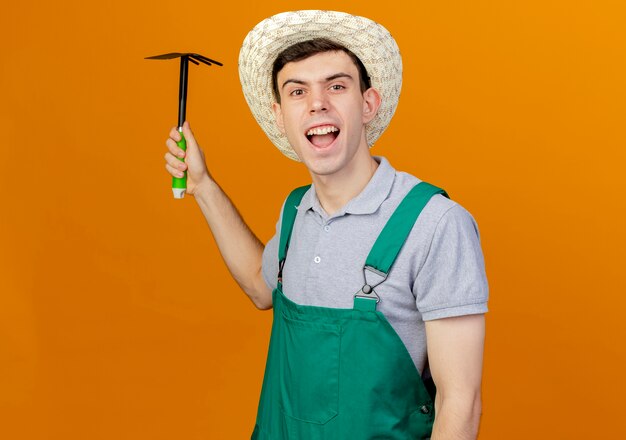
x=319, y=102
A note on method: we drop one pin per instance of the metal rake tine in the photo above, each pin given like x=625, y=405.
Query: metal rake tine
x=197, y=55
x=192, y=58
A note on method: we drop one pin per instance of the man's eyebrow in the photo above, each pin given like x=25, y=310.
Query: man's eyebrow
x=296, y=81
x=329, y=78
x=339, y=75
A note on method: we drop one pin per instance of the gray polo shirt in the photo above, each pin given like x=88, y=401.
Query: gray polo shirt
x=438, y=273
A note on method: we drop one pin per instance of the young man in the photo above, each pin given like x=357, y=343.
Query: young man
x=376, y=279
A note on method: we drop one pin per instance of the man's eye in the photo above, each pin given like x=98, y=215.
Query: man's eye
x=296, y=92
x=337, y=87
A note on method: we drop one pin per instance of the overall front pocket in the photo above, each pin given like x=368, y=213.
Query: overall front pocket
x=309, y=370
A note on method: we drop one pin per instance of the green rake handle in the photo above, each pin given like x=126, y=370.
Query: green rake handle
x=179, y=184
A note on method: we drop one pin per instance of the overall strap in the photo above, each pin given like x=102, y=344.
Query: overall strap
x=392, y=238
x=289, y=217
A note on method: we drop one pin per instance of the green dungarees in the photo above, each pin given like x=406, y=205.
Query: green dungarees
x=338, y=374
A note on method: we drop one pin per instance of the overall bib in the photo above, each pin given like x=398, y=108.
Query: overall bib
x=339, y=374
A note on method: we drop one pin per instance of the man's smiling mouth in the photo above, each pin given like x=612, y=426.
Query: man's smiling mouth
x=323, y=135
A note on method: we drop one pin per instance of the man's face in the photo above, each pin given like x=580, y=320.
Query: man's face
x=323, y=112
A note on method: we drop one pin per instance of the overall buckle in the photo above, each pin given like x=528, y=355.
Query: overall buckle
x=367, y=291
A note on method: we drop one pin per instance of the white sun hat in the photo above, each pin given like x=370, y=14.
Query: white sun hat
x=368, y=40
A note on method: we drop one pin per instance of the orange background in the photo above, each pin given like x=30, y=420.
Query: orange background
x=118, y=318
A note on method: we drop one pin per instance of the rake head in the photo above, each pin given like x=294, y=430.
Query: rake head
x=182, y=84
x=195, y=58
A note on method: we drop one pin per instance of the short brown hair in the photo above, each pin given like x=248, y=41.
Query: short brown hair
x=306, y=49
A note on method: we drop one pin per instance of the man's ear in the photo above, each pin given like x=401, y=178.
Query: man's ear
x=278, y=116
x=371, y=103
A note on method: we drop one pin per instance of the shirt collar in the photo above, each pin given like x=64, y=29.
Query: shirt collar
x=367, y=201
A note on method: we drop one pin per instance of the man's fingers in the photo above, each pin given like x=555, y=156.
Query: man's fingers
x=174, y=171
x=175, y=150
x=174, y=166
x=173, y=162
x=175, y=134
x=176, y=159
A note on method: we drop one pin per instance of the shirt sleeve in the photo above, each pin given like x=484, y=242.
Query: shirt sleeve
x=270, y=256
x=452, y=280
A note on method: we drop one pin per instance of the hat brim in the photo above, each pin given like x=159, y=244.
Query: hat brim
x=368, y=40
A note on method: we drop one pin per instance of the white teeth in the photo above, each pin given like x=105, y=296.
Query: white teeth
x=322, y=130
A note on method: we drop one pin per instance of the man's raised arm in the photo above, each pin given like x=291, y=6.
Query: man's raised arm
x=241, y=250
